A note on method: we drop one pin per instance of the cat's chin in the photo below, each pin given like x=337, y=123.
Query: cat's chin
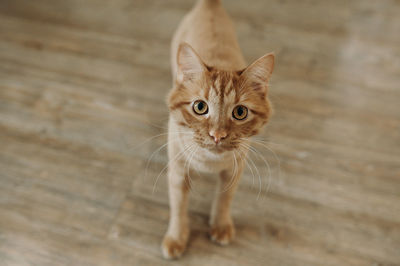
x=218, y=148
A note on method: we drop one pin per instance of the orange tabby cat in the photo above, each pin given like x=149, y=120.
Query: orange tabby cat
x=215, y=105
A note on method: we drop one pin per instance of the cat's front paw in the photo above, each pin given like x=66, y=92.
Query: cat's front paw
x=172, y=248
x=222, y=234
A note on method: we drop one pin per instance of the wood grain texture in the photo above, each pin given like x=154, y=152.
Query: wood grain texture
x=82, y=93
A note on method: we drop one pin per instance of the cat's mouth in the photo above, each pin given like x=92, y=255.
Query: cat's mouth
x=221, y=146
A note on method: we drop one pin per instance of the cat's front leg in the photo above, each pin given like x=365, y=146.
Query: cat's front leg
x=222, y=227
x=176, y=238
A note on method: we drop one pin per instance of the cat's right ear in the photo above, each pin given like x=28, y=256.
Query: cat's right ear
x=259, y=72
x=190, y=66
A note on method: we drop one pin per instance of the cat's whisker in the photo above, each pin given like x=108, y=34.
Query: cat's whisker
x=255, y=151
x=258, y=172
x=253, y=139
x=177, y=157
x=194, y=169
x=187, y=164
x=156, y=136
x=260, y=183
x=254, y=165
x=191, y=186
x=151, y=156
x=250, y=167
x=187, y=132
x=264, y=145
x=154, y=125
x=147, y=140
x=156, y=151
x=275, y=156
x=234, y=173
x=268, y=167
x=246, y=162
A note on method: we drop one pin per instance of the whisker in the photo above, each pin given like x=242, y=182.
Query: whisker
x=187, y=162
x=263, y=144
x=258, y=172
x=151, y=156
x=154, y=125
x=156, y=151
x=275, y=156
x=254, y=165
x=269, y=170
x=264, y=141
x=251, y=161
x=178, y=156
x=247, y=163
x=234, y=173
x=188, y=170
x=156, y=136
x=255, y=151
x=250, y=167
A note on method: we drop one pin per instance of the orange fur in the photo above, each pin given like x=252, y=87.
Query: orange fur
x=208, y=66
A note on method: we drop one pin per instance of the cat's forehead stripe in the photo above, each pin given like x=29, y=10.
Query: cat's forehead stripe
x=216, y=83
x=223, y=81
x=228, y=86
x=207, y=92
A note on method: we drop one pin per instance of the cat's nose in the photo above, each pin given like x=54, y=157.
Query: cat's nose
x=218, y=135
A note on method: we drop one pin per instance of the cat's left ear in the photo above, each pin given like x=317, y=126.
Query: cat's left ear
x=190, y=65
x=259, y=72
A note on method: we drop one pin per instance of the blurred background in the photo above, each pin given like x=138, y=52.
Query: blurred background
x=83, y=120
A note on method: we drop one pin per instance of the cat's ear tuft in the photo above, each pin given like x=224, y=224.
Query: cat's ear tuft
x=189, y=63
x=259, y=72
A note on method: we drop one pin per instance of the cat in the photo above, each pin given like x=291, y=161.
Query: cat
x=217, y=102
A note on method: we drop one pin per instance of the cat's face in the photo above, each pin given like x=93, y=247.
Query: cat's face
x=221, y=108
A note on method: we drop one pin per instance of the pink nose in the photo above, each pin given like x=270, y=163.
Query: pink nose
x=218, y=135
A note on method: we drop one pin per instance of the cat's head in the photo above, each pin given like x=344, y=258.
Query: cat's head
x=220, y=107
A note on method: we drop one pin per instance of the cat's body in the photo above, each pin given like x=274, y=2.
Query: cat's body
x=216, y=103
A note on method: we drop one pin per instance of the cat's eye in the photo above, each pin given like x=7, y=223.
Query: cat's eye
x=200, y=107
x=240, y=112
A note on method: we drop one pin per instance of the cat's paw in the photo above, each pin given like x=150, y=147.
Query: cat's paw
x=222, y=234
x=172, y=248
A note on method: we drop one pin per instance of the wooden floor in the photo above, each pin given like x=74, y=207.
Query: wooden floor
x=82, y=87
